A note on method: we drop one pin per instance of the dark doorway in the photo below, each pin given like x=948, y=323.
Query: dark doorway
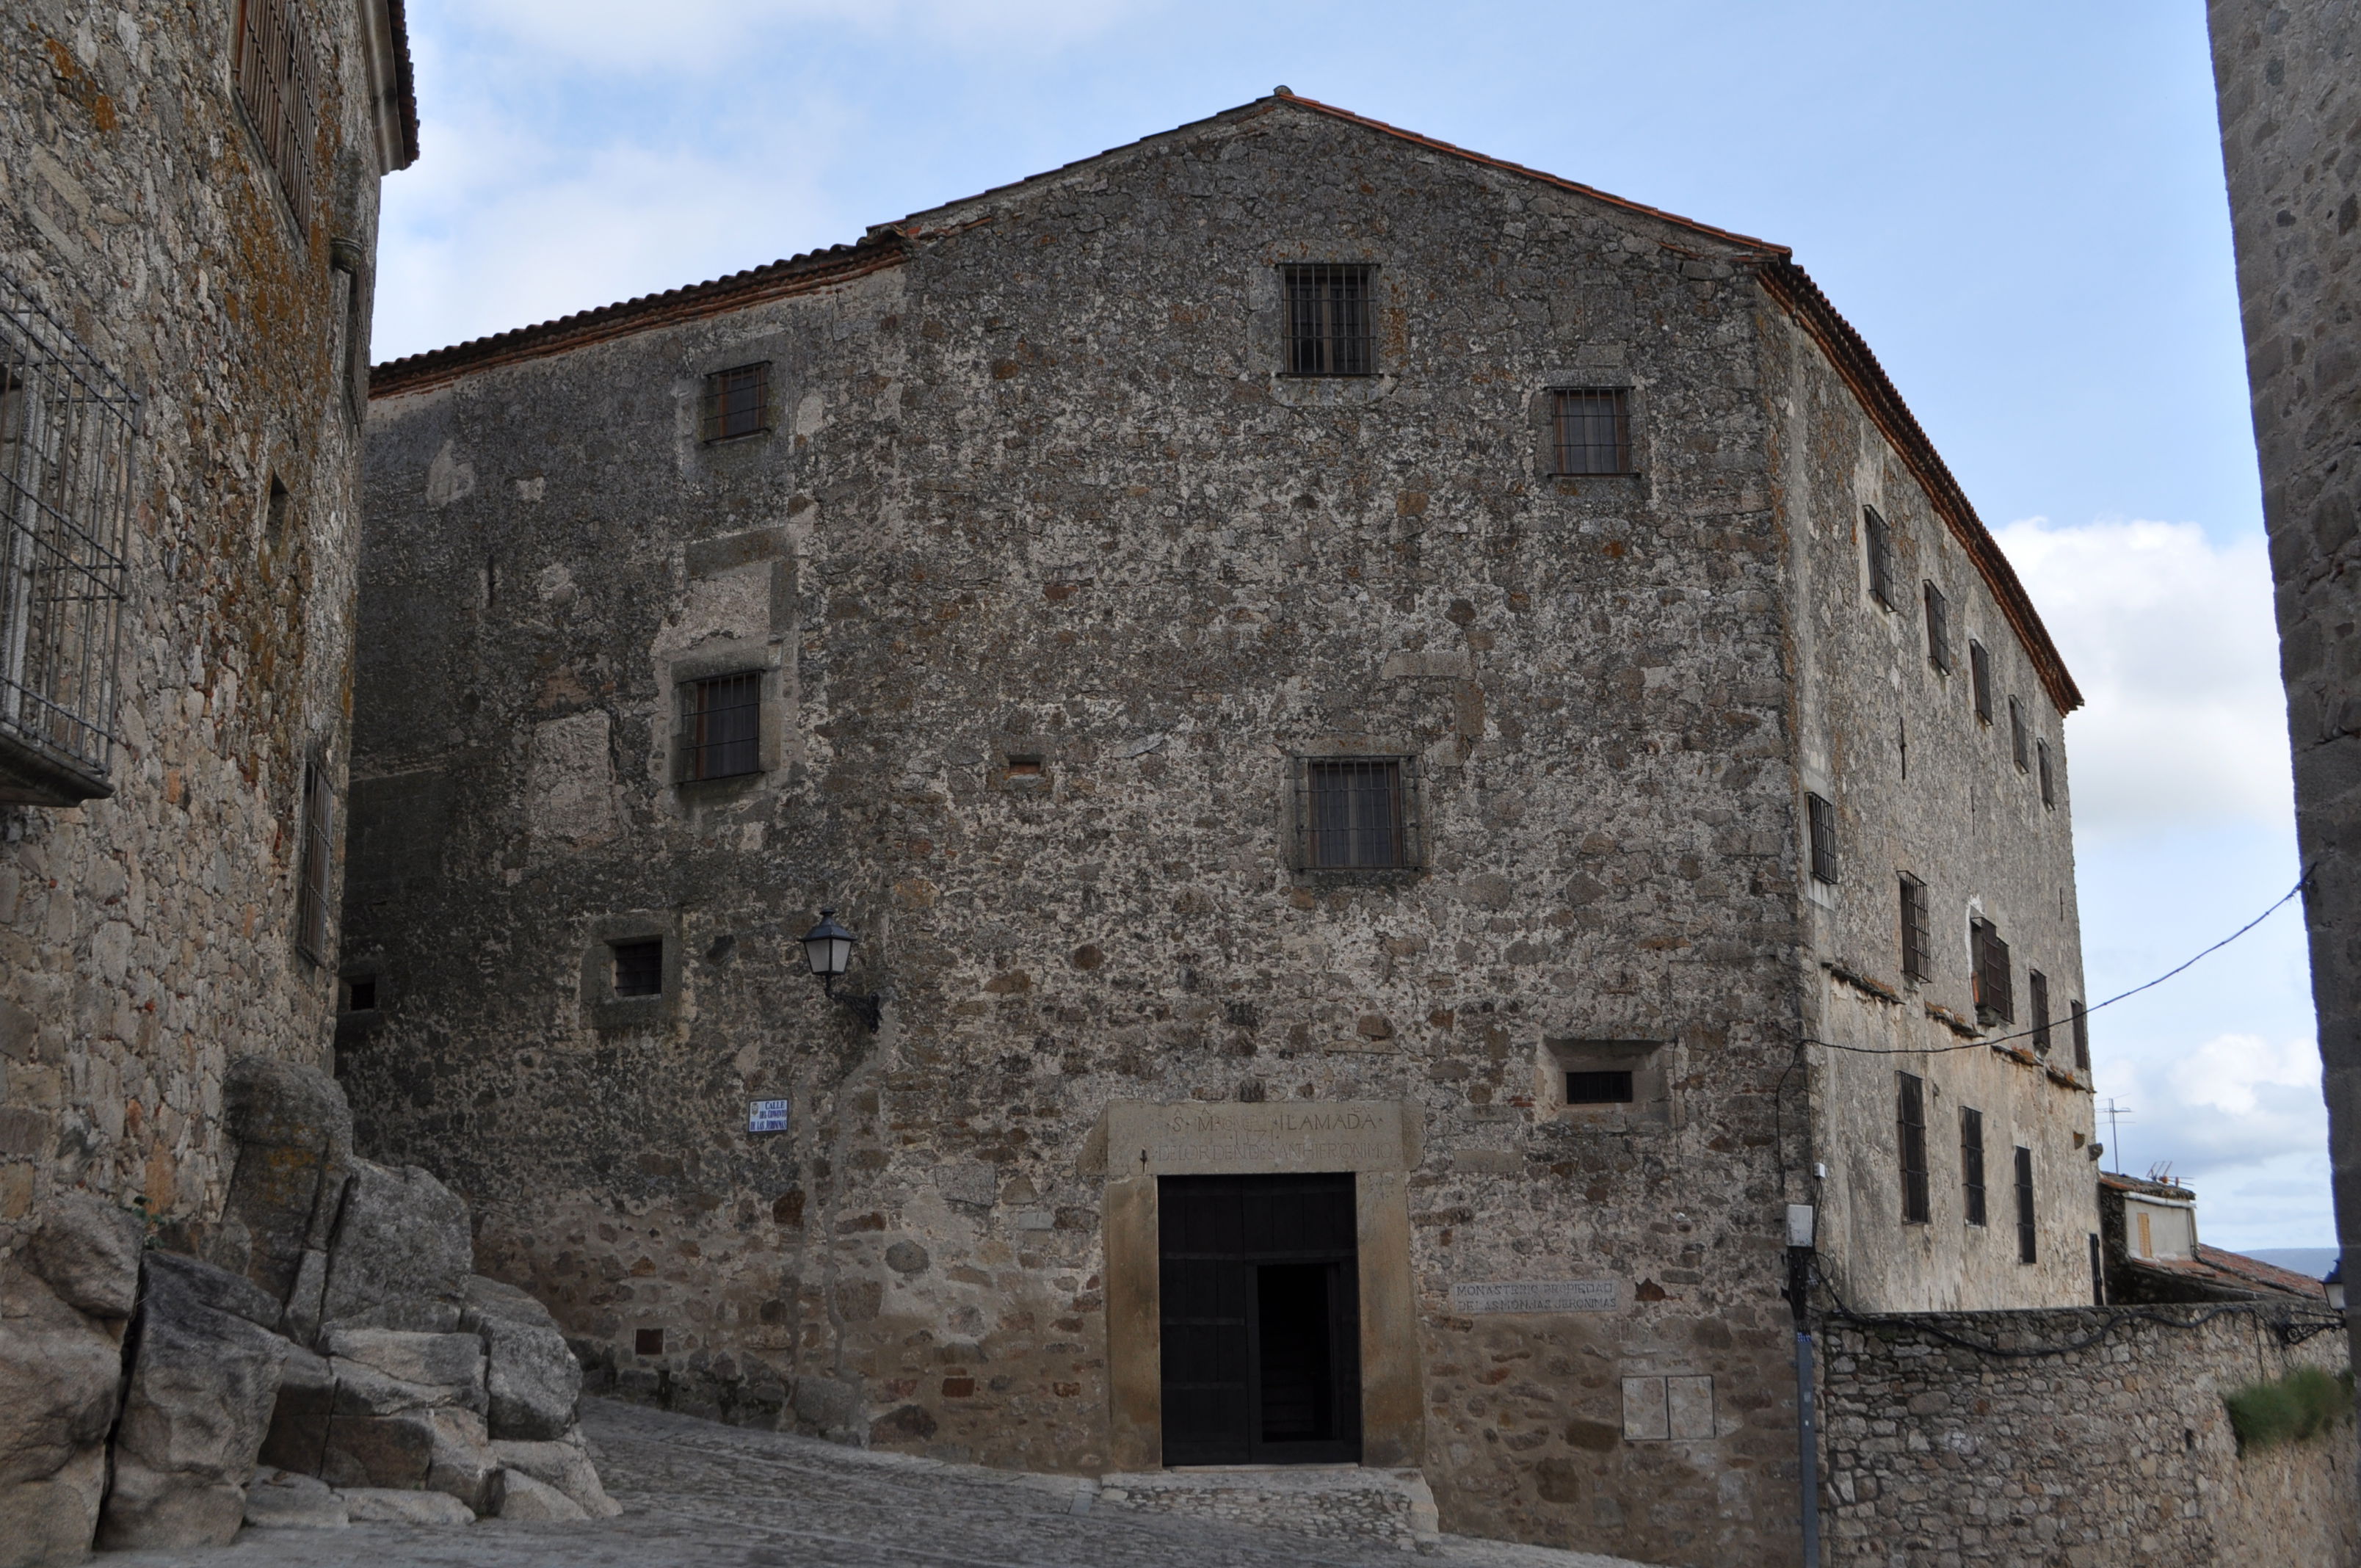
x=1261, y=1319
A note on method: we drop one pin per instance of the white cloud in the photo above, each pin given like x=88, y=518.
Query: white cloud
x=631, y=36
x=2240, y=1118
x=2172, y=641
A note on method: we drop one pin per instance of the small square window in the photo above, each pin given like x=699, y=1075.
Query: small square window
x=721, y=726
x=1590, y=432
x=1612, y=1088
x=360, y=995
x=1822, y=819
x=639, y=966
x=1356, y=814
x=647, y=1341
x=1330, y=324
x=737, y=402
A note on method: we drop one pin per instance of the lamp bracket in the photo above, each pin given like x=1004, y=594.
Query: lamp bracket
x=866, y=1008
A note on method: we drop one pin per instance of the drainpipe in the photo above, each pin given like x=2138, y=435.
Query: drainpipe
x=1807, y=1434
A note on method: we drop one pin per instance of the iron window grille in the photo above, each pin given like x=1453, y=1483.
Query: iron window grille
x=2025, y=1227
x=2020, y=746
x=1331, y=327
x=1939, y=629
x=1971, y=1162
x=313, y=866
x=639, y=966
x=1881, y=556
x=1590, y=432
x=2048, y=784
x=281, y=94
x=1995, y=996
x=1916, y=949
x=1611, y=1087
x=1980, y=678
x=2037, y=998
x=2079, y=1023
x=1357, y=813
x=737, y=403
x=1820, y=819
x=720, y=726
x=1911, y=1121
x=68, y=431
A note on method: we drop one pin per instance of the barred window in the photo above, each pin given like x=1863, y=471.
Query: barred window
x=281, y=95
x=1357, y=813
x=1911, y=1122
x=2048, y=785
x=721, y=726
x=1971, y=1162
x=2025, y=1226
x=1331, y=327
x=1980, y=678
x=1916, y=949
x=2019, y=743
x=2080, y=1020
x=1821, y=818
x=314, y=864
x=1880, y=540
x=639, y=966
x=1939, y=629
x=2036, y=997
x=1995, y=998
x=68, y=430
x=737, y=402
x=1592, y=431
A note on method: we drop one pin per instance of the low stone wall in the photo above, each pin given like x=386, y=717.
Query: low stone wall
x=2115, y=1452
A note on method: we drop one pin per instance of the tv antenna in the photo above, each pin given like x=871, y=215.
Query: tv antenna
x=2115, y=1113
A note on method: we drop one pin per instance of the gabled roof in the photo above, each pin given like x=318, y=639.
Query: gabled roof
x=2230, y=1276
x=1787, y=285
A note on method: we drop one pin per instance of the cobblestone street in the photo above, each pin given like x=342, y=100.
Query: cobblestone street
x=697, y=1494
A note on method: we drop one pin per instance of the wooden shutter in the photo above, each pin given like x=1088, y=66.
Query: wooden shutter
x=1911, y=1120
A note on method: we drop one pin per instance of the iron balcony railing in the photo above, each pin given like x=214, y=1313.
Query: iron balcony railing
x=69, y=435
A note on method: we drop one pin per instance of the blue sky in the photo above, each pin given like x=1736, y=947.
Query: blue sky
x=2020, y=205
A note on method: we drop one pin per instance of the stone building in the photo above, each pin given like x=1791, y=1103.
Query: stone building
x=1414, y=749
x=2287, y=80
x=188, y=213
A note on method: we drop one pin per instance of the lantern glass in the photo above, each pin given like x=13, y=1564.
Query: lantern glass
x=828, y=947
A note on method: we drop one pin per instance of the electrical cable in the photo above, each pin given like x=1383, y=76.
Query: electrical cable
x=1980, y=1044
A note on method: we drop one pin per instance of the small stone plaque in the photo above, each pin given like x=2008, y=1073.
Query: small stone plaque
x=766, y=1115
x=1537, y=1296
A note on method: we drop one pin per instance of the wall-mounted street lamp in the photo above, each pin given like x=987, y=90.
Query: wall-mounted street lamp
x=2335, y=1283
x=827, y=948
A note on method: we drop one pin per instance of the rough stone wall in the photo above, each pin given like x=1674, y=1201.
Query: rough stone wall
x=147, y=938
x=1922, y=787
x=2116, y=1454
x=2288, y=77
x=1038, y=493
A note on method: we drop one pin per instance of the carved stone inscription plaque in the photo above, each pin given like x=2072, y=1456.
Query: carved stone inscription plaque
x=1203, y=1139
x=1537, y=1296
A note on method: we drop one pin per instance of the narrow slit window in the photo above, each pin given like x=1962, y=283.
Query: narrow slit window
x=2036, y=997
x=1821, y=819
x=316, y=864
x=1916, y=949
x=1880, y=540
x=1939, y=629
x=1995, y=992
x=1972, y=1163
x=2078, y=1021
x=639, y=966
x=737, y=402
x=2026, y=1232
x=720, y=726
x=1592, y=431
x=2048, y=783
x=1608, y=1088
x=1329, y=325
x=1980, y=678
x=1356, y=814
x=2020, y=746
x=1911, y=1119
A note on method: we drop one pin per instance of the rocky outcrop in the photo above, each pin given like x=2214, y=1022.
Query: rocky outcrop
x=332, y=1359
